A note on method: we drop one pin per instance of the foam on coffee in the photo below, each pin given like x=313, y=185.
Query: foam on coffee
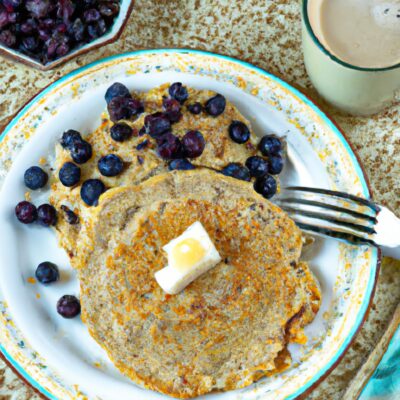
x=364, y=33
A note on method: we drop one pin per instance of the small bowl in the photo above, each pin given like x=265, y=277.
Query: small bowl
x=110, y=37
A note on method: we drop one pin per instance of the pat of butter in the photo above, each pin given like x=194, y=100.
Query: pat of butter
x=189, y=256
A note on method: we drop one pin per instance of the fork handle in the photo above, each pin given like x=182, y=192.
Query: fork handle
x=388, y=233
x=393, y=252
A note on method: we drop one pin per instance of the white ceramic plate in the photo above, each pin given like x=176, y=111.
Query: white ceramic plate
x=57, y=356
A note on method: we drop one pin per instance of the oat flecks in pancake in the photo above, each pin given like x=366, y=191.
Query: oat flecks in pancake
x=229, y=327
x=226, y=329
x=140, y=165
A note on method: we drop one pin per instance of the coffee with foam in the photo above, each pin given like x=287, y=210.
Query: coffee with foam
x=363, y=33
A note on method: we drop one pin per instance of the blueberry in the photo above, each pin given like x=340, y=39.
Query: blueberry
x=14, y=17
x=121, y=132
x=181, y=164
x=91, y=15
x=61, y=27
x=47, y=272
x=70, y=216
x=47, y=215
x=3, y=17
x=110, y=165
x=266, y=186
x=11, y=5
x=89, y=3
x=216, y=105
x=270, y=144
x=124, y=108
x=30, y=43
x=26, y=212
x=157, y=124
x=101, y=27
x=70, y=137
x=35, y=178
x=8, y=38
x=39, y=8
x=4, y=21
x=62, y=49
x=169, y=147
x=97, y=28
x=257, y=166
x=47, y=23
x=91, y=191
x=77, y=30
x=195, y=108
x=117, y=90
x=237, y=171
x=172, y=109
x=275, y=164
x=68, y=306
x=29, y=26
x=45, y=36
x=53, y=44
x=93, y=31
x=193, y=144
x=178, y=92
x=65, y=9
x=57, y=45
x=69, y=174
x=239, y=132
x=81, y=152
x=109, y=9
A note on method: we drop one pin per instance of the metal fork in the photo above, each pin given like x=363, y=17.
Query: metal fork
x=342, y=216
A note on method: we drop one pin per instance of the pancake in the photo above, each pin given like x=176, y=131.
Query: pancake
x=141, y=164
x=226, y=329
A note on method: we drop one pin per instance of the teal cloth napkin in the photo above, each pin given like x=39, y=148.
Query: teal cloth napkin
x=385, y=382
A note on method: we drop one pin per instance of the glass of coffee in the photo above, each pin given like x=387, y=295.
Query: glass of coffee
x=352, y=52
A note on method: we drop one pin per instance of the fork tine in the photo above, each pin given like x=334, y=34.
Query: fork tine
x=356, y=214
x=330, y=213
x=341, y=195
x=324, y=227
x=329, y=218
x=347, y=237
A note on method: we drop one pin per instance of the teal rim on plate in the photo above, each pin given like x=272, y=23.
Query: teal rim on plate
x=375, y=257
x=22, y=373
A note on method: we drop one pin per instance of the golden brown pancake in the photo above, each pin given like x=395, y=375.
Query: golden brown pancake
x=226, y=329
x=141, y=164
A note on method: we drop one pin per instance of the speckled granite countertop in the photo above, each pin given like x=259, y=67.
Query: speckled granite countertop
x=267, y=34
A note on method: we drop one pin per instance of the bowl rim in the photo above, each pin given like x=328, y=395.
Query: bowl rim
x=17, y=56
x=308, y=387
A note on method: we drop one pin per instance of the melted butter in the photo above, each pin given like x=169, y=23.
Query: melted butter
x=187, y=253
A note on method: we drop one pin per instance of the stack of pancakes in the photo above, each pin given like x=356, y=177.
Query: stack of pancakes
x=143, y=163
x=229, y=327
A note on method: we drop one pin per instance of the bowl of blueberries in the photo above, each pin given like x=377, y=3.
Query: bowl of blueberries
x=47, y=33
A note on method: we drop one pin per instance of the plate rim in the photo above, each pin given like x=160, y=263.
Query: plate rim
x=308, y=387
